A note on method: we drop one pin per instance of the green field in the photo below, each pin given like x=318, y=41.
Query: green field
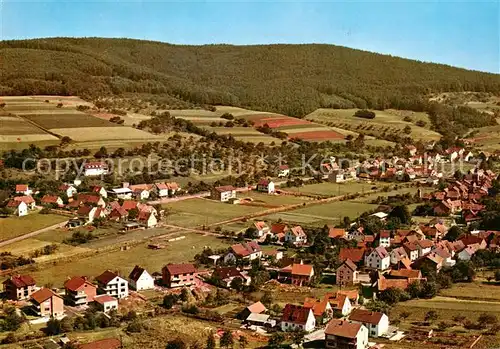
x=197, y=212
x=69, y=120
x=11, y=227
x=335, y=189
x=475, y=290
x=124, y=261
x=388, y=121
x=273, y=199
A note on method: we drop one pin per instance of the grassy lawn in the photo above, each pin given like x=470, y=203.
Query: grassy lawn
x=124, y=261
x=27, y=246
x=196, y=212
x=471, y=291
x=275, y=200
x=411, y=190
x=11, y=227
x=334, y=189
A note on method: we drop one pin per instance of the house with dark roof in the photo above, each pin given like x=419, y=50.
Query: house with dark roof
x=411, y=249
x=223, y=193
x=179, y=275
x=346, y=335
x=266, y=185
x=377, y=323
x=19, y=287
x=424, y=246
x=46, y=303
x=297, y=318
x=140, y=279
x=79, y=291
x=246, y=251
x=112, y=284
x=226, y=275
x=354, y=254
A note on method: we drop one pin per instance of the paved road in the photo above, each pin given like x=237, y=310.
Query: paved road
x=33, y=233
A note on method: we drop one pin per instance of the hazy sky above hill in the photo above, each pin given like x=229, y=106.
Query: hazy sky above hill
x=461, y=33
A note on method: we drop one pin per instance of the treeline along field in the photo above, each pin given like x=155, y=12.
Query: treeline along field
x=289, y=79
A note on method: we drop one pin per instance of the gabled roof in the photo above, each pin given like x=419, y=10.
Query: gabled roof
x=43, y=294
x=302, y=269
x=334, y=233
x=366, y=316
x=84, y=210
x=381, y=252
x=104, y=298
x=317, y=306
x=336, y=300
x=257, y=308
x=225, y=188
x=21, y=187
x=342, y=328
x=297, y=231
x=26, y=199
x=184, y=268
x=425, y=243
x=295, y=314
x=260, y=225
x=14, y=203
x=136, y=273
x=246, y=249
x=410, y=246
x=278, y=228
x=349, y=264
x=226, y=272
x=50, y=199
x=76, y=283
x=354, y=254
x=129, y=205
x=21, y=281
x=405, y=273
x=106, y=277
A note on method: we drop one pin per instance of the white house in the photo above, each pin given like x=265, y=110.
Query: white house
x=167, y=189
x=345, y=334
x=100, y=190
x=68, y=189
x=384, y=238
x=377, y=323
x=266, y=186
x=341, y=303
x=23, y=189
x=296, y=236
x=262, y=228
x=95, y=168
x=140, y=279
x=148, y=219
x=397, y=255
x=121, y=193
x=297, y=318
x=141, y=194
x=224, y=193
x=378, y=259
x=250, y=251
x=20, y=208
x=380, y=215
x=113, y=285
x=424, y=246
x=411, y=249
x=283, y=171
x=106, y=303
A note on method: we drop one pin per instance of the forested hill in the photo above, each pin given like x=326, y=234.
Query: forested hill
x=291, y=79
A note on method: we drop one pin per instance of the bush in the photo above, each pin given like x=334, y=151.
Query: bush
x=365, y=114
x=134, y=327
x=421, y=123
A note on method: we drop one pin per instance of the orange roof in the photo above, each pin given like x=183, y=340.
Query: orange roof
x=336, y=300
x=334, y=233
x=26, y=199
x=302, y=269
x=342, y=328
x=43, y=294
x=351, y=294
x=104, y=298
x=354, y=254
x=257, y=307
x=76, y=283
x=318, y=306
x=21, y=187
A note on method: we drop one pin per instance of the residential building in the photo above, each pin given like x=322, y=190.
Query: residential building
x=140, y=279
x=377, y=323
x=247, y=251
x=52, y=200
x=121, y=193
x=178, y=275
x=411, y=249
x=28, y=200
x=167, y=189
x=100, y=190
x=297, y=318
x=347, y=274
x=95, y=168
x=322, y=309
x=337, y=233
x=296, y=236
x=339, y=302
x=378, y=258
x=46, y=303
x=262, y=228
x=424, y=246
x=223, y=193
x=106, y=303
x=147, y=219
x=343, y=334
x=397, y=255
x=384, y=238
x=255, y=308
x=112, y=284
x=283, y=171
x=297, y=274
x=23, y=189
x=355, y=254
x=79, y=291
x=226, y=275
x=19, y=287
x=19, y=208
x=68, y=189
x=266, y=186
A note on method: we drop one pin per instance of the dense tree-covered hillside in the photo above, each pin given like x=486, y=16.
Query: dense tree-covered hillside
x=291, y=79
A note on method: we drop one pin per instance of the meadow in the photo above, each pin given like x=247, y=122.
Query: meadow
x=11, y=227
x=334, y=189
x=67, y=120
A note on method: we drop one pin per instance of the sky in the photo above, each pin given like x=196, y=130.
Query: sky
x=460, y=33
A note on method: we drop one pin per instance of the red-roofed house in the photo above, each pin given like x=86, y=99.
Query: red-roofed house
x=52, y=200
x=223, y=193
x=167, y=189
x=337, y=233
x=296, y=236
x=249, y=251
x=106, y=303
x=178, y=275
x=322, y=309
x=19, y=207
x=100, y=190
x=79, y=291
x=23, y=189
x=378, y=258
x=118, y=214
x=297, y=274
x=262, y=228
x=343, y=334
x=68, y=189
x=46, y=303
x=112, y=284
x=19, y=287
x=266, y=186
x=28, y=200
x=95, y=168
x=340, y=302
x=377, y=323
x=354, y=254
x=297, y=318
x=147, y=219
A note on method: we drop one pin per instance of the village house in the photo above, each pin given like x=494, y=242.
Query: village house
x=167, y=189
x=266, y=186
x=178, y=275
x=430, y=261
x=355, y=254
x=87, y=199
x=246, y=251
x=337, y=233
x=112, y=284
x=378, y=258
x=467, y=253
x=23, y=189
x=19, y=287
x=90, y=213
x=121, y=193
x=28, y=200
x=347, y=274
x=223, y=193
x=226, y=275
x=296, y=236
x=297, y=318
x=384, y=238
x=273, y=255
x=141, y=191
x=343, y=334
x=397, y=255
x=140, y=279
x=446, y=255
x=106, y=303
x=79, y=291
x=99, y=190
x=19, y=208
x=278, y=231
x=118, y=213
x=45, y=303
x=262, y=228
x=424, y=246
x=339, y=302
x=147, y=219
x=411, y=249
x=95, y=168
x=283, y=171
x=255, y=308
x=128, y=205
x=52, y=200
x=322, y=309
x=68, y=189
x=377, y=323
x=297, y=274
